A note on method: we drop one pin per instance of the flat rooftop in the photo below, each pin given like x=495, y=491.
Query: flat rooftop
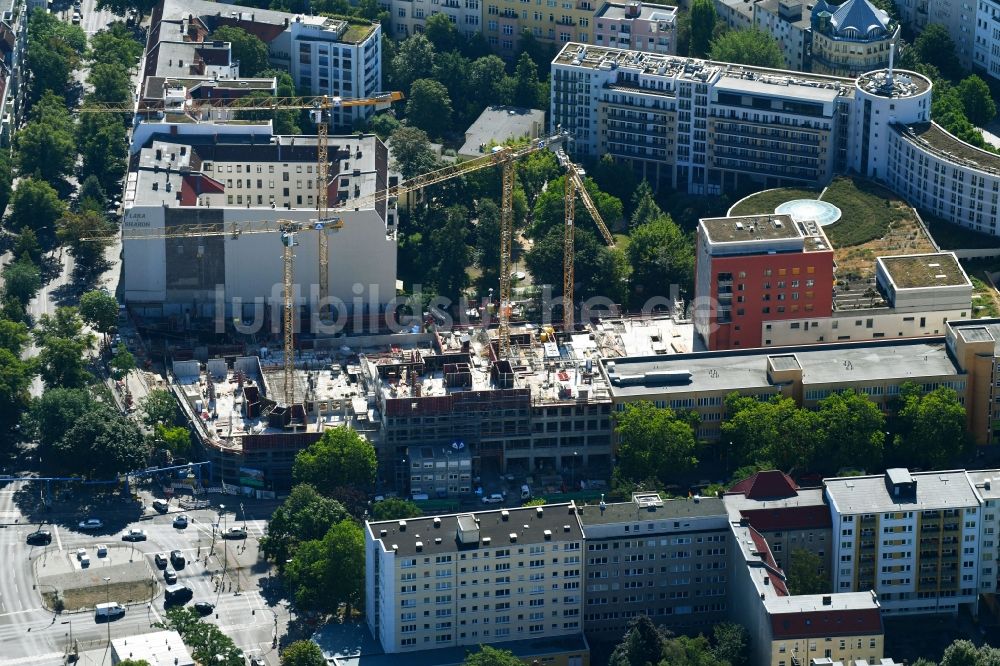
x=215, y=14
x=932, y=137
x=870, y=494
x=982, y=478
x=630, y=512
x=503, y=528
x=750, y=228
x=804, y=20
x=919, y=271
x=158, y=648
x=647, y=12
x=499, y=123
x=902, y=84
x=835, y=365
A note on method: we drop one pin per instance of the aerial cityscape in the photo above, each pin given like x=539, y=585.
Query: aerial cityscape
x=499, y=332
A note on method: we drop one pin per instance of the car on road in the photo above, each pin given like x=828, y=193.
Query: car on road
x=177, y=559
x=181, y=521
x=161, y=561
x=134, y=535
x=84, y=561
x=80, y=552
x=76, y=18
x=203, y=607
x=235, y=533
x=102, y=550
x=161, y=505
x=109, y=611
x=170, y=576
x=90, y=524
x=39, y=538
x=495, y=498
x=177, y=594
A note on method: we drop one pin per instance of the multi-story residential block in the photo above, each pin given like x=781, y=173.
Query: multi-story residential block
x=756, y=268
x=788, y=517
x=408, y=17
x=851, y=38
x=474, y=578
x=325, y=56
x=785, y=21
x=986, y=51
x=556, y=22
x=637, y=25
x=13, y=42
x=913, y=538
x=959, y=18
x=701, y=126
x=663, y=558
x=737, y=14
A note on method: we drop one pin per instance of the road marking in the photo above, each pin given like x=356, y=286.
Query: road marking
x=55, y=530
x=26, y=610
x=33, y=659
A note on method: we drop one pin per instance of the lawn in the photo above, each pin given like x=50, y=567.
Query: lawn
x=953, y=237
x=766, y=201
x=984, y=302
x=868, y=212
x=88, y=597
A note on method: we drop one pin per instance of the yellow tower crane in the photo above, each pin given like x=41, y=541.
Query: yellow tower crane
x=575, y=186
x=319, y=107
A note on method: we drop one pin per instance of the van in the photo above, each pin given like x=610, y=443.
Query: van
x=525, y=492
x=109, y=611
x=177, y=594
x=161, y=505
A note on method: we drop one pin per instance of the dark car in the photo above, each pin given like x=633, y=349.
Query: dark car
x=161, y=561
x=177, y=594
x=134, y=535
x=177, y=559
x=39, y=538
x=203, y=607
x=170, y=576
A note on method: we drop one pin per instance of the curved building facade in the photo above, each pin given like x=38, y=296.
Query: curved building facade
x=851, y=38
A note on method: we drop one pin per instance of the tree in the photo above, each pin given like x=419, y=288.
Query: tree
x=394, y=508
x=159, y=407
x=304, y=652
x=805, y=573
x=53, y=413
x=490, y=656
x=207, y=642
x=975, y=95
x=411, y=152
x=441, y=32
x=775, y=430
x=660, y=254
x=305, y=515
x=452, y=70
x=91, y=195
x=53, y=54
x=931, y=429
x=102, y=443
x=749, y=46
x=176, y=439
x=341, y=457
x=122, y=363
x=731, y=643
x=35, y=205
x=133, y=662
x=643, y=643
x=853, y=432
x=325, y=574
x=13, y=336
x=451, y=253
x=100, y=311
x=27, y=245
x=6, y=179
x=123, y=7
x=15, y=379
x=702, y=22
x=487, y=252
x=654, y=443
x=598, y=271
x=62, y=344
x=550, y=206
x=249, y=49
x=414, y=60
x=526, y=86
x=21, y=280
x=45, y=146
x=110, y=82
x=934, y=46
x=429, y=107
x=487, y=77
x=115, y=44
x=535, y=170
x=960, y=653
x=102, y=138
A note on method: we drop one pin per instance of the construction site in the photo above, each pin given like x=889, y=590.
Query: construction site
x=544, y=410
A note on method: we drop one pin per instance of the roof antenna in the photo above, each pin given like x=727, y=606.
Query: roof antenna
x=892, y=53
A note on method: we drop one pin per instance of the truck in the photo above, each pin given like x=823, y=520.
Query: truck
x=109, y=611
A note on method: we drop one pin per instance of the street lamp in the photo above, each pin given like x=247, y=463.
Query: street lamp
x=573, y=477
x=69, y=644
x=107, y=599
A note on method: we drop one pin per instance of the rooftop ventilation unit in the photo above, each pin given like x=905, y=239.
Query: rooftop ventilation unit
x=505, y=514
x=402, y=526
x=420, y=546
x=513, y=537
x=548, y=534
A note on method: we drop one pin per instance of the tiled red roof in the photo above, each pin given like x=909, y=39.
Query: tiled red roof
x=821, y=623
x=266, y=32
x=195, y=184
x=774, y=572
x=771, y=484
x=789, y=518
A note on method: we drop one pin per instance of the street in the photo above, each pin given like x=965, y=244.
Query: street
x=229, y=576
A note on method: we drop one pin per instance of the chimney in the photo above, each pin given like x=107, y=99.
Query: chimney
x=827, y=600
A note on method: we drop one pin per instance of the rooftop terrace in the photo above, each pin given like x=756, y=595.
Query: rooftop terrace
x=915, y=271
x=750, y=228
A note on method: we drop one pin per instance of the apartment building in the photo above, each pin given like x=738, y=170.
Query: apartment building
x=702, y=126
x=13, y=42
x=253, y=181
x=961, y=19
x=325, y=56
x=663, y=558
x=984, y=483
x=790, y=518
x=737, y=14
x=637, y=25
x=986, y=50
x=790, y=26
x=914, y=538
x=851, y=38
x=474, y=578
x=408, y=17
x=758, y=268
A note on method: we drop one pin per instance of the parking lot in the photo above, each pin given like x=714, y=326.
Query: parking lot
x=225, y=573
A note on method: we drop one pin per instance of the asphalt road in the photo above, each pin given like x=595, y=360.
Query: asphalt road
x=33, y=635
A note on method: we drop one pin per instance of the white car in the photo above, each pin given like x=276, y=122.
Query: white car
x=495, y=498
x=90, y=524
x=181, y=521
x=85, y=561
x=81, y=553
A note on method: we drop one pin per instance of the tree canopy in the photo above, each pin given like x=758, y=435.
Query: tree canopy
x=394, y=508
x=305, y=515
x=249, y=49
x=304, y=652
x=429, y=107
x=46, y=145
x=930, y=428
x=702, y=18
x=654, y=443
x=341, y=457
x=411, y=152
x=100, y=311
x=326, y=573
x=491, y=656
x=36, y=206
x=749, y=46
x=158, y=407
x=805, y=573
x=207, y=642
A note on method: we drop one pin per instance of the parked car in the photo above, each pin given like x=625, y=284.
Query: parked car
x=90, y=524
x=170, y=576
x=181, y=521
x=235, y=533
x=203, y=607
x=102, y=550
x=161, y=505
x=39, y=538
x=134, y=535
x=161, y=561
x=495, y=498
x=80, y=552
x=177, y=559
x=84, y=561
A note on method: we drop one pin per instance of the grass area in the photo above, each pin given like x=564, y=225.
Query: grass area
x=984, y=301
x=868, y=211
x=953, y=237
x=766, y=201
x=89, y=597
